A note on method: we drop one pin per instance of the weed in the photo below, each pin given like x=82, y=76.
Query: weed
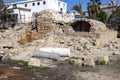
x=74, y=57
x=40, y=79
x=100, y=62
x=37, y=68
x=1, y=30
x=19, y=62
x=44, y=68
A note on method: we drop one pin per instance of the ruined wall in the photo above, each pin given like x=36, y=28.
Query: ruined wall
x=105, y=38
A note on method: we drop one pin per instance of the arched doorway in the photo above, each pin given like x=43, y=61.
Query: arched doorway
x=81, y=26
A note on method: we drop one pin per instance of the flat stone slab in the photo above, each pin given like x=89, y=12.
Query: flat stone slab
x=64, y=52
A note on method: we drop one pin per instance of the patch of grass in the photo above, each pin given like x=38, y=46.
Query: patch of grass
x=1, y=30
x=37, y=68
x=40, y=79
x=100, y=62
x=44, y=68
x=18, y=62
x=74, y=57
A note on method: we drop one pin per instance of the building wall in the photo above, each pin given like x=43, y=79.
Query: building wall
x=37, y=6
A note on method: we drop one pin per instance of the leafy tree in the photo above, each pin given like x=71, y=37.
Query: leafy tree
x=102, y=16
x=95, y=12
x=78, y=8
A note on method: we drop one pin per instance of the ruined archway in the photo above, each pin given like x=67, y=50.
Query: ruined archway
x=81, y=26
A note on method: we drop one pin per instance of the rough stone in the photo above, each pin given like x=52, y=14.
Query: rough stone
x=34, y=62
x=116, y=53
x=105, y=59
x=89, y=61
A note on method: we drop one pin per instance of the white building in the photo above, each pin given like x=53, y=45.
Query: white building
x=25, y=9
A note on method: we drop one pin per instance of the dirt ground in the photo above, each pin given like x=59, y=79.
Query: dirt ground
x=64, y=71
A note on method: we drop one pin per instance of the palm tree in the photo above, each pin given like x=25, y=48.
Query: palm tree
x=78, y=8
x=93, y=7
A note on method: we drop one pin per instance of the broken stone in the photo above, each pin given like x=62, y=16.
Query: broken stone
x=64, y=52
x=17, y=68
x=76, y=62
x=45, y=54
x=34, y=62
x=103, y=60
x=116, y=53
x=80, y=48
x=70, y=43
x=62, y=41
x=88, y=61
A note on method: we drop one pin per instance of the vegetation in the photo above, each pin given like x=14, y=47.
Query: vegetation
x=1, y=30
x=93, y=7
x=78, y=8
x=19, y=62
x=37, y=68
x=100, y=62
x=5, y=16
x=1, y=4
x=40, y=79
x=95, y=12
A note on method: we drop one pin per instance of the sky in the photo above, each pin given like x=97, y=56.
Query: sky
x=70, y=3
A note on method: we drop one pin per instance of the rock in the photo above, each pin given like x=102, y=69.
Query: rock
x=79, y=48
x=64, y=52
x=62, y=41
x=70, y=44
x=88, y=61
x=17, y=68
x=46, y=54
x=103, y=60
x=76, y=62
x=116, y=53
x=110, y=47
x=34, y=62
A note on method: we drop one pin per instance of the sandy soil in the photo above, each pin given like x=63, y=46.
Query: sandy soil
x=64, y=71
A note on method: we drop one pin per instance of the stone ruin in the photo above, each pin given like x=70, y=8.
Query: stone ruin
x=52, y=22
x=84, y=37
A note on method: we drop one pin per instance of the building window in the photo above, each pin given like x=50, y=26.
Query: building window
x=63, y=5
x=58, y=4
x=44, y=2
x=14, y=6
x=25, y=5
x=33, y=4
x=61, y=10
x=38, y=3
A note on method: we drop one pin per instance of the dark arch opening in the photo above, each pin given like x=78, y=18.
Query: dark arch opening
x=81, y=26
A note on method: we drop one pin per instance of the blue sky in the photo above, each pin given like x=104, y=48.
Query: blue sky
x=73, y=2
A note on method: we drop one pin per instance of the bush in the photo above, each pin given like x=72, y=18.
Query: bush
x=101, y=16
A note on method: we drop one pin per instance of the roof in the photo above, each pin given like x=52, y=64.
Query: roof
x=21, y=2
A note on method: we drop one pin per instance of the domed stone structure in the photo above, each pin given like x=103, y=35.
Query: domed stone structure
x=88, y=25
x=56, y=16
